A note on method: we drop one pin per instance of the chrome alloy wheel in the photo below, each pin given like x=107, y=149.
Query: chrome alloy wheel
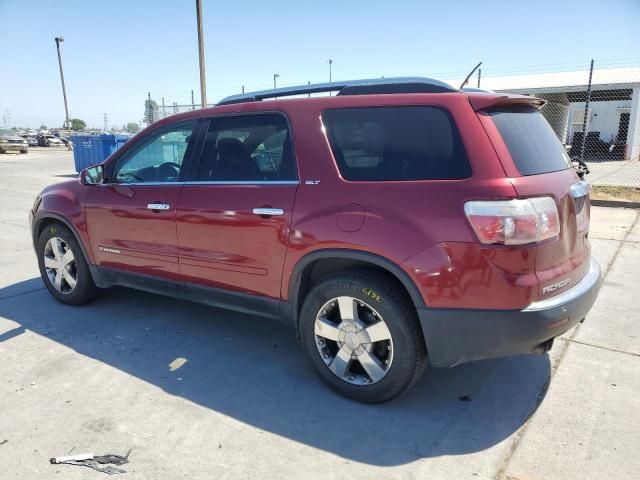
x=60, y=265
x=353, y=340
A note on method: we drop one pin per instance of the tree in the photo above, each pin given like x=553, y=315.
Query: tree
x=43, y=127
x=133, y=127
x=77, y=124
x=151, y=111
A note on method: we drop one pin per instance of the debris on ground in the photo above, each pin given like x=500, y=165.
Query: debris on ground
x=101, y=463
x=464, y=398
x=3, y=442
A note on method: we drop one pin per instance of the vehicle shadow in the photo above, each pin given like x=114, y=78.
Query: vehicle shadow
x=254, y=371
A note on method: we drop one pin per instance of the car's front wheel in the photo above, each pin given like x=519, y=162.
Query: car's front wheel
x=63, y=267
x=362, y=335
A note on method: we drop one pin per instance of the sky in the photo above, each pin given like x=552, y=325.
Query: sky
x=115, y=52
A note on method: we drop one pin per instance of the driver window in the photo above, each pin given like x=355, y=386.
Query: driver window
x=159, y=159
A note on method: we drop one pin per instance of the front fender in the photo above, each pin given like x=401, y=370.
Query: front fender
x=64, y=203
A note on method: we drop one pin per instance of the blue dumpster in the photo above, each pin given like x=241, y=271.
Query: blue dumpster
x=92, y=149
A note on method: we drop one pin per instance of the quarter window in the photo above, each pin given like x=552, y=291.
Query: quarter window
x=158, y=159
x=247, y=148
x=396, y=143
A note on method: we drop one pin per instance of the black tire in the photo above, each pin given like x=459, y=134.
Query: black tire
x=24, y=151
x=395, y=307
x=85, y=289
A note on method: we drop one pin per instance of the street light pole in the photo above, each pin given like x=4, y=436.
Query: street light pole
x=203, y=79
x=64, y=90
x=275, y=75
x=330, y=62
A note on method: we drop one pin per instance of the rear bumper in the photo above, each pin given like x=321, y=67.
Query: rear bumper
x=455, y=336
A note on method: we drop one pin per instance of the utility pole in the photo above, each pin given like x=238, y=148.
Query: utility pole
x=64, y=90
x=585, y=120
x=330, y=62
x=275, y=76
x=203, y=79
x=105, y=117
x=479, y=75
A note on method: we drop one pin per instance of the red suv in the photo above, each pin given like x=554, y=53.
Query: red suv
x=398, y=223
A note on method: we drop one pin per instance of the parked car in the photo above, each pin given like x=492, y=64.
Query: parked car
x=10, y=141
x=50, y=141
x=399, y=223
x=32, y=141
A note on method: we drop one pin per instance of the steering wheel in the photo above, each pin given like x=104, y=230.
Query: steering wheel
x=169, y=170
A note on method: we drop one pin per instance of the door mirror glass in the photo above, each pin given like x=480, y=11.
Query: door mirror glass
x=92, y=175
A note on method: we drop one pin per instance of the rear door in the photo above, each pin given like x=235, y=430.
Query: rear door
x=131, y=219
x=234, y=218
x=538, y=165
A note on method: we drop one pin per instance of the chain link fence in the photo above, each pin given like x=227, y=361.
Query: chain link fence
x=595, y=113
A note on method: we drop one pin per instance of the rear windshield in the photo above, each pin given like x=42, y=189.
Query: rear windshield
x=396, y=143
x=532, y=143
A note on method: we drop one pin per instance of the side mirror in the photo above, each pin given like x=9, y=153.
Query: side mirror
x=92, y=175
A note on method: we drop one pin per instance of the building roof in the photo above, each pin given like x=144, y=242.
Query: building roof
x=612, y=78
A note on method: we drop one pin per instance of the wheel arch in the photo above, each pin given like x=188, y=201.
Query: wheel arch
x=42, y=219
x=303, y=274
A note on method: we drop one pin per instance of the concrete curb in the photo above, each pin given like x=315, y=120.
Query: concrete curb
x=614, y=203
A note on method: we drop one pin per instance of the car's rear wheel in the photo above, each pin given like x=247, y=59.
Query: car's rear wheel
x=63, y=267
x=362, y=336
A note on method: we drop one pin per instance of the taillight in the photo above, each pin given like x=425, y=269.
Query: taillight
x=514, y=222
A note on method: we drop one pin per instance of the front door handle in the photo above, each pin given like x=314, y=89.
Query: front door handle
x=158, y=206
x=268, y=212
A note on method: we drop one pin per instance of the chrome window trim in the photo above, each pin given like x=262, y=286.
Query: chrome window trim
x=195, y=182
x=243, y=182
x=591, y=278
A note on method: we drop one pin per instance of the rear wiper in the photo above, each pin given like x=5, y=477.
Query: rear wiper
x=582, y=169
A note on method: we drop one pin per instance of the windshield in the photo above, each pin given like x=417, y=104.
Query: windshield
x=532, y=143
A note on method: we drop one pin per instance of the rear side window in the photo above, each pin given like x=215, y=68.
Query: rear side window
x=532, y=143
x=396, y=143
x=248, y=148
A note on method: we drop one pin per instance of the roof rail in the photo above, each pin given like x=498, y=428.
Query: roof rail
x=351, y=87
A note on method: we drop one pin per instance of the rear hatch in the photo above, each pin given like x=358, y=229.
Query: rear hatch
x=538, y=166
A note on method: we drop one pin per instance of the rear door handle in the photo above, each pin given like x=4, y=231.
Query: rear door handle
x=271, y=212
x=158, y=206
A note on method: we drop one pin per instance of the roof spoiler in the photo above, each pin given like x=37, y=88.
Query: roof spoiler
x=486, y=101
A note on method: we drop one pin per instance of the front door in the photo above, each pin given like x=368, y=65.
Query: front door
x=131, y=218
x=233, y=222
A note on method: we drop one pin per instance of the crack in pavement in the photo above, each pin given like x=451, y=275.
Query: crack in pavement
x=502, y=471
x=602, y=347
x=19, y=294
x=13, y=224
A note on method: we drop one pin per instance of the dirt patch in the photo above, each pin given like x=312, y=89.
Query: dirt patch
x=627, y=194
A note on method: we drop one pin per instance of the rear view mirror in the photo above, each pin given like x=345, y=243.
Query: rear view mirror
x=92, y=175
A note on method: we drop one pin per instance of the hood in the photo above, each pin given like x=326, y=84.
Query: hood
x=11, y=137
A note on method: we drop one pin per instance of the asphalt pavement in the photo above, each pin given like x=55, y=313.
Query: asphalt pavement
x=197, y=392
